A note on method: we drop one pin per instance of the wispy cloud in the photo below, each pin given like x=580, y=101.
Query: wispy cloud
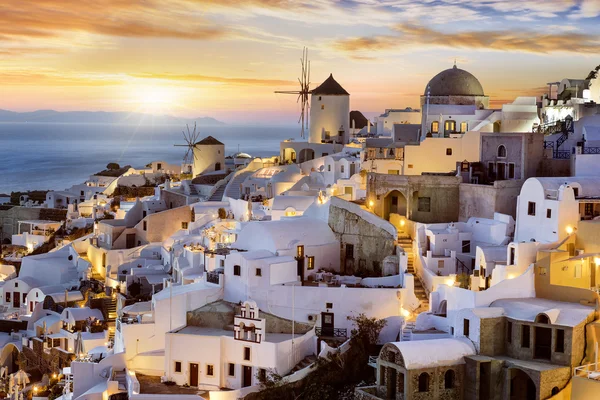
x=215, y=79
x=417, y=36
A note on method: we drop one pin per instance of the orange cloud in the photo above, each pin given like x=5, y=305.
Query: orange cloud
x=215, y=79
x=50, y=18
x=522, y=41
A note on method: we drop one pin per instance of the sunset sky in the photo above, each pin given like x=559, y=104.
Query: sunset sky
x=224, y=58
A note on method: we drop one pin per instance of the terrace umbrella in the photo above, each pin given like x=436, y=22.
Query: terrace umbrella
x=79, y=347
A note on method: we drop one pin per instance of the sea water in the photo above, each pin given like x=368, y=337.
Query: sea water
x=39, y=156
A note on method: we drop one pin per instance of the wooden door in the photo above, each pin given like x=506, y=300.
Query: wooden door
x=327, y=324
x=247, y=376
x=193, y=374
x=16, y=299
x=130, y=240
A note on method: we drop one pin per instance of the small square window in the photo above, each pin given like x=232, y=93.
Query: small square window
x=184, y=225
x=16, y=284
x=448, y=151
x=329, y=305
x=258, y=272
x=231, y=369
x=177, y=366
x=424, y=204
x=237, y=270
x=246, y=353
x=549, y=213
x=210, y=370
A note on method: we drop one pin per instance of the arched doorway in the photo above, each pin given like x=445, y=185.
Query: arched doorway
x=521, y=385
x=306, y=155
x=394, y=203
x=9, y=357
x=217, y=166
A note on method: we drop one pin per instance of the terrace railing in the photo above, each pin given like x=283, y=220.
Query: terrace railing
x=332, y=332
x=590, y=150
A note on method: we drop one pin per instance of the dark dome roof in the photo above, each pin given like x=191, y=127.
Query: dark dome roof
x=454, y=82
x=330, y=87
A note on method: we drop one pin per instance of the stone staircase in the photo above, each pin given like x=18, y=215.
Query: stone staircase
x=119, y=376
x=233, y=189
x=407, y=245
x=305, y=362
x=407, y=331
x=110, y=305
x=218, y=194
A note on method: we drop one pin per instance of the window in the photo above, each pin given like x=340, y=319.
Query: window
x=144, y=213
x=322, y=106
x=7, y=297
x=81, y=193
x=424, y=204
x=222, y=263
x=342, y=169
x=525, y=336
x=531, y=208
x=16, y=284
x=549, y=213
x=24, y=297
x=440, y=263
x=177, y=366
x=262, y=374
x=290, y=213
x=577, y=270
x=588, y=209
x=511, y=170
x=258, y=272
x=393, y=172
x=559, y=346
x=184, y=225
x=145, y=225
x=463, y=127
x=231, y=369
x=300, y=251
x=576, y=191
x=349, y=251
x=435, y=127
x=501, y=151
x=329, y=305
x=450, y=126
x=210, y=370
x=246, y=353
x=424, y=382
x=491, y=170
x=466, y=327
x=319, y=98
x=237, y=270
x=311, y=262
x=448, y=151
x=329, y=168
x=449, y=378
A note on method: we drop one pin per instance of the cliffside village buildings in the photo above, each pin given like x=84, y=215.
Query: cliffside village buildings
x=473, y=231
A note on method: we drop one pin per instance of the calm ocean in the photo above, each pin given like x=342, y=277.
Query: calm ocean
x=57, y=156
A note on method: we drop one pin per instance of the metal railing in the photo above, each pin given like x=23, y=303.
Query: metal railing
x=372, y=360
x=562, y=155
x=590, y=150
x=331, y=332
x=212, y=277
x=589, y=371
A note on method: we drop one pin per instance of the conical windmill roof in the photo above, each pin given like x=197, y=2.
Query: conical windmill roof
x=330, y=87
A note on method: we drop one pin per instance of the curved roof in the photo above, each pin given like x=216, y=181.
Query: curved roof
x=559, y=313
x=290, y=174
x=432, y=353
x=330, y=87
x=454, y=82
x=590, y=186
x=284, y=234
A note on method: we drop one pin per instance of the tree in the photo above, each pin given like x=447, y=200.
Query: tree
x=222, y=213
x=112, y=166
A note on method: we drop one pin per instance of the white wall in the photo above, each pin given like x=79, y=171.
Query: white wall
x=335, y=113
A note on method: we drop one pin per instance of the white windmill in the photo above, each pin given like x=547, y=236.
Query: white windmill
x=190, y=138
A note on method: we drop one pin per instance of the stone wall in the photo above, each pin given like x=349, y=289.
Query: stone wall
x=10, y=216
x=370, y=242
x=46, y=363
x=172, y=199
x=442, y=192
x=492, y=336
x=483, y=201
x=220, y=315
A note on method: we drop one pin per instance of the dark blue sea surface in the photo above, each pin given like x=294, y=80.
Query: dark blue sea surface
x=57, y=156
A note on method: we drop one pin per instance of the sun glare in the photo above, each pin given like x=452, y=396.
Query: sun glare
x=156, y=98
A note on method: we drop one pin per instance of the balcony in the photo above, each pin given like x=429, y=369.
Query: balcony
x=331, y=332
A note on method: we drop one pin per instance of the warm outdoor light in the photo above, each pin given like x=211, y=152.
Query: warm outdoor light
x=371, y=203
x=569, y=229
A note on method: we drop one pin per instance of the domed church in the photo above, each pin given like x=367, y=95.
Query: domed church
x=455, y=86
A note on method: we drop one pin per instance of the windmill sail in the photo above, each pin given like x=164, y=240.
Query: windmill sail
x=303, y=93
